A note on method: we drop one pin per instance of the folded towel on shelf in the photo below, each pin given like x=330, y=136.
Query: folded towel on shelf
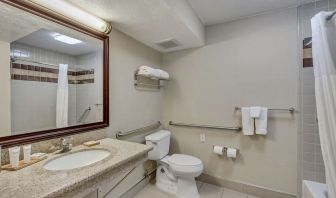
x=261, y=122
x=153, y=73
x=255, y=112
x=247, y=121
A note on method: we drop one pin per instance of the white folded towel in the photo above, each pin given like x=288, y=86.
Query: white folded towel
x=255, y=112
x=146, y=71
x=247, y=121
x=153, y=73
x=261, y=122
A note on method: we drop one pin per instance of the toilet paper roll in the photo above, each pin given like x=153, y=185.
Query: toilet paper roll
x=231, y=152
x=218, y=150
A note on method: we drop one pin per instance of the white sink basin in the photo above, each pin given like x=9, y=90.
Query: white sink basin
x=76, y=159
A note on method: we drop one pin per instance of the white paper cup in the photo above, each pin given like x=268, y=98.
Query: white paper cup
x=26, y=153
x=14, y=155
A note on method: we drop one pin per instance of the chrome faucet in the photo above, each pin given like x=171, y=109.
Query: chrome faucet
x=65, y=144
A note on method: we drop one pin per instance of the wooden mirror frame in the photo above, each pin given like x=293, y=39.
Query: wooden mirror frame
x=8, y=141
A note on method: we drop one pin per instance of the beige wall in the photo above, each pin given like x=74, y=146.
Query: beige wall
x=131, y=108
x=246, y=62
x=5, y=106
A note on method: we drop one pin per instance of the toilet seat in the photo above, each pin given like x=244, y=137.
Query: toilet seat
x=184, y=160
x=185, y=165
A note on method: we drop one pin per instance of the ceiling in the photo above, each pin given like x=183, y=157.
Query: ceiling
x=18, y=25
x=44, y=39
x=153, y=21
x=150, y=21
x=218, y=11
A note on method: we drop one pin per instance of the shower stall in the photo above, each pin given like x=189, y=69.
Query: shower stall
x=312, y=167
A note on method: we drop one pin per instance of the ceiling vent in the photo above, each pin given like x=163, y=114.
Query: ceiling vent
x=170, y=43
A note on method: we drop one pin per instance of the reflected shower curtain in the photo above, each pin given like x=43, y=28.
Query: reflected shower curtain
x=324, y=56
x=62, y=97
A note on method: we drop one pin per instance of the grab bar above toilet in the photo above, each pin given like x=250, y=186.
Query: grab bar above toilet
x=143, y=129
x=205, y=126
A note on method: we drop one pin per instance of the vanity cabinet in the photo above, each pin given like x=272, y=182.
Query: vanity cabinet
x=132, y=179
x=93, y=194
x=112, y=184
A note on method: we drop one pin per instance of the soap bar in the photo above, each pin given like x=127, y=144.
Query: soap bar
x=91, y=143
x=38, y=155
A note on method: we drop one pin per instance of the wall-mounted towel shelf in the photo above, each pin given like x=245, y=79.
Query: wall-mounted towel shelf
x=156, y=82
x=291, y=109
x=148, y=85
x=205, y=126
x=143, y=129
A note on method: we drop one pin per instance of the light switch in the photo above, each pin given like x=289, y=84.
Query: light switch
x=202, y=137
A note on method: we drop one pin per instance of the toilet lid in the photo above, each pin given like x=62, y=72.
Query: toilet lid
x=184, y=160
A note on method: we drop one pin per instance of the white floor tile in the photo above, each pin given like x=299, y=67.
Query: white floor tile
x=252, y=196
x=210, y=191
x=232, y=194
x=150, y=191
x=206, y=191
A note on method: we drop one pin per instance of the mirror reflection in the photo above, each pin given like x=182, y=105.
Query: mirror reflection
x=51, y=76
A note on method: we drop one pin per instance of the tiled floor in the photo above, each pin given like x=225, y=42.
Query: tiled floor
x=205, y=190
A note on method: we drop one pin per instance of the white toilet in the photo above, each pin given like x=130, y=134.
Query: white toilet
x=176, y=173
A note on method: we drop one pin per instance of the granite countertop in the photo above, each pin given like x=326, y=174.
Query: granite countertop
x=35, y=181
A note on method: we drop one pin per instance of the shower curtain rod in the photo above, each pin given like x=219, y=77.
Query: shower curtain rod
x=331, y=15
x=14, y=59
x=328, y=19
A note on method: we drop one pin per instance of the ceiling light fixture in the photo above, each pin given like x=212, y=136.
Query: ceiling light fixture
x=66, y=39
x=70, y=11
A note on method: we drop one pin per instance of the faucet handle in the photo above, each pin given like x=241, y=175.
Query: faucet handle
x=65, y=141
x=65, y=144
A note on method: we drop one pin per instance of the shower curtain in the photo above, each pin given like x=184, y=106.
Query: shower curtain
x=324, y=56
x=62, y=97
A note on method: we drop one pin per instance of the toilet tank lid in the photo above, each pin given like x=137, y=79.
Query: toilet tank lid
x=154, y=137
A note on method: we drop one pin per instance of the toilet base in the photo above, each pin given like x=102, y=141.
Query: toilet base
x=163, y=182
x=186, y=187
x=181, y=187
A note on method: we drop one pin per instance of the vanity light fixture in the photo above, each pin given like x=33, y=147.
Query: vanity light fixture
x=68, y=10
x=66, y=39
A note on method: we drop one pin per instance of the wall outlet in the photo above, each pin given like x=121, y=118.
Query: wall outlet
x=202, y=137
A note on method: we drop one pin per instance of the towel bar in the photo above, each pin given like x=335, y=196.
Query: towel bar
x=291, y=109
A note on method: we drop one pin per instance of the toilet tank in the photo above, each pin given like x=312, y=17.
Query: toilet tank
x=160, y=142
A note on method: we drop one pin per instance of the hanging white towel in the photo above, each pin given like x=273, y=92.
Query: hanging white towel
x=261, y=122
x=247, y=121
x=255, y=112
x=62, y=97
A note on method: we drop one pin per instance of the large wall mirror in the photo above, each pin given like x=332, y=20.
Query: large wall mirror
x=53, y=78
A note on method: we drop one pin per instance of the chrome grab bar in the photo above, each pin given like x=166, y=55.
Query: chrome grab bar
x=205, y=126
x=146, y=128
x=83, y=115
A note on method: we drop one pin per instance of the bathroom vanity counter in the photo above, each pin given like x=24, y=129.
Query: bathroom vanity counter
x=35, y=181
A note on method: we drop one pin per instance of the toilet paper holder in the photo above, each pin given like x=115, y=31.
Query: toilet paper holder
x=226, y=148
